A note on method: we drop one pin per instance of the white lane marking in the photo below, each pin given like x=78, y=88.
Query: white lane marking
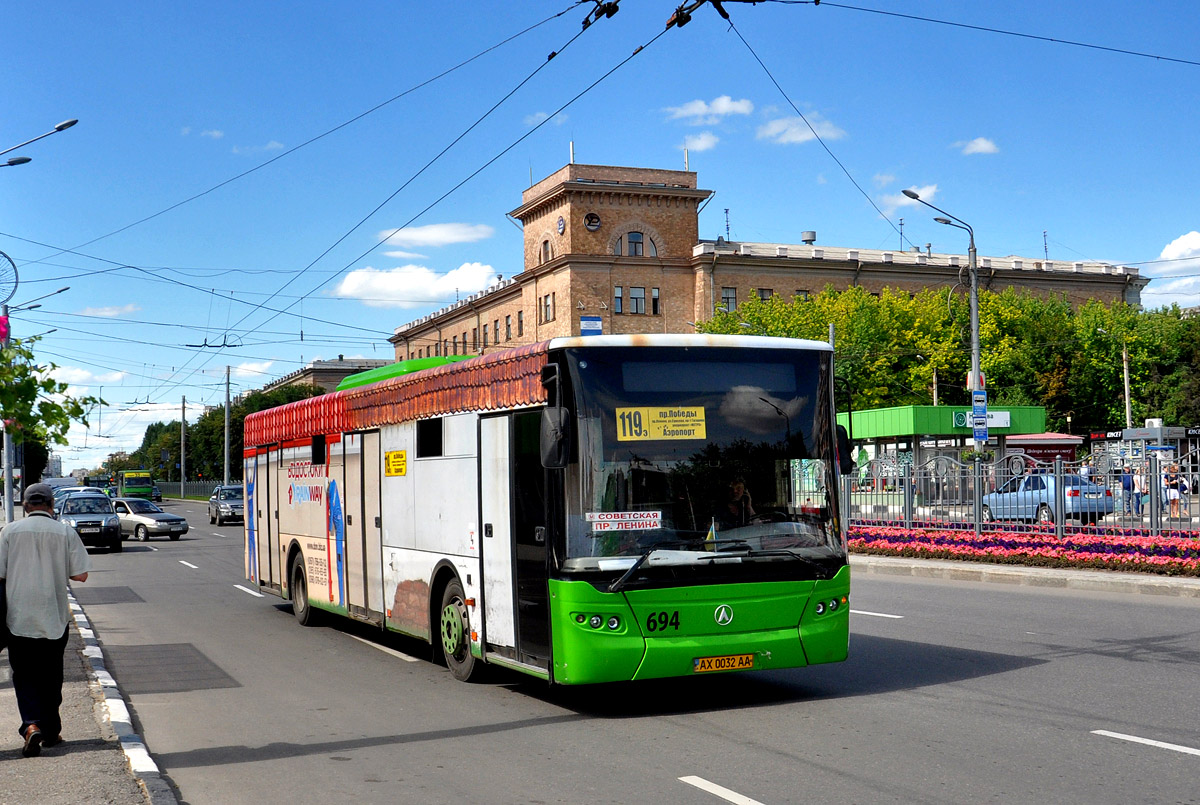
x=151, y=547
x=254, y=593
x=1187, y=750
x=874, y=614
x=189, y=564
x=719, y=791
x=385, y=649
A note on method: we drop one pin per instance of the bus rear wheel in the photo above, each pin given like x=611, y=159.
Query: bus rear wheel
x=301, y=607
x=455, y=629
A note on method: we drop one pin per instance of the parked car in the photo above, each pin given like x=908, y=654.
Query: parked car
x=1033, y=497
x=156, y=494
x=93, y=518
x=226, y=504
x=142, y=519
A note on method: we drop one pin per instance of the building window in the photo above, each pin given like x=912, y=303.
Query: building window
x=637, y=300
x=475, y=339
x=520, y=323
x=765, y=293
x=545, y=251
x=485, y=336
x=455, y=342
x=445, y=347
x=635, y=244
x=617, y=247
x=618, y=301
x=508, y=328
x=464, y=342
x=548, y=307
x=729, y=299
x=654, y=302
x=802, y=295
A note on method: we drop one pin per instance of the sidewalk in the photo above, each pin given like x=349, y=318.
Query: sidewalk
x=101, y=758
x=88, y=766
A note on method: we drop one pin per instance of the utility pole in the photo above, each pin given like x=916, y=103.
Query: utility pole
x=182, y=446
x=8, y=445
x=1128, y=402
x=935, y=385
x=226, y=481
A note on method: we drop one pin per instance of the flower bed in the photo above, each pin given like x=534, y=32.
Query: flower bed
x=1088, y=548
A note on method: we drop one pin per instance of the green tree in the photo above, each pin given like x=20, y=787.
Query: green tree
x=34, y=405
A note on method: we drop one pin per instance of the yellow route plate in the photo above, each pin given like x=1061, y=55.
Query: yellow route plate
x=652, y=423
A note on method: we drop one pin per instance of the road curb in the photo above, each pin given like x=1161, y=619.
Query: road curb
x=1093, y=580
x=116, y=713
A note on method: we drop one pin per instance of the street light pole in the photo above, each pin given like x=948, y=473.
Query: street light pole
x=950, y=220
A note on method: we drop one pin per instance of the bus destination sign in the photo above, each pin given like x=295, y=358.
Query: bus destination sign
x=653, y=423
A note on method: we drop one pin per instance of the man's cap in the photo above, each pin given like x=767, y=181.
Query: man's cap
x=39, y=494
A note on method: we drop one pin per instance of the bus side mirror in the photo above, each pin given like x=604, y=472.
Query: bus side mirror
x=845, y=460
x=555, y=437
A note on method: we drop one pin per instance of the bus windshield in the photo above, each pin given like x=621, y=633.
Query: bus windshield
x=685, y=454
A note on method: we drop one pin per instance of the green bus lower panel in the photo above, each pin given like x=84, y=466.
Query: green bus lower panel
x=647, y=634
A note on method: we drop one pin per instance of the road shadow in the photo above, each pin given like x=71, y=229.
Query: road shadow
x=876, y=665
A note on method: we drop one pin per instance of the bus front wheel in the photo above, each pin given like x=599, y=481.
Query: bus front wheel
x=454, y=627
x=301, y=607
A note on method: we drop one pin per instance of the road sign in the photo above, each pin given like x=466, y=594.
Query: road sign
x=979, y=415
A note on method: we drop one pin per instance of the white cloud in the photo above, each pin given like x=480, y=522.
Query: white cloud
x=434, y=235
x=701, y=142
x=709, y=113
x=254, y=370
x=185, y=131
x=821, y=179
x=273, y=145
x=892, y=203
x=882, y=180
x=538, y=117
x=1168, y=287
x=84, y=377
x=788, y=130
x=980, y=145
x=214, y=134
x=404, y=255
x=110, y=312
x=413, y=286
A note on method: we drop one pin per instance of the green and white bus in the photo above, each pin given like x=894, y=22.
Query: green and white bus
x=584, y=510
x=134, y=484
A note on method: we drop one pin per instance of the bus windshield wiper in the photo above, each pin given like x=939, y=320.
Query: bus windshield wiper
x=790, y=553
x=619, y=583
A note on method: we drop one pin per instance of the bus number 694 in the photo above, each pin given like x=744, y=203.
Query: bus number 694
x=659, y=621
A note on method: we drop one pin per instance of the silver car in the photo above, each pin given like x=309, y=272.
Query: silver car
x=142, y=519
x=226, y=504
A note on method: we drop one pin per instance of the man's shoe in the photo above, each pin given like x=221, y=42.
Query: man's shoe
x=33, y=742
x=54, y=740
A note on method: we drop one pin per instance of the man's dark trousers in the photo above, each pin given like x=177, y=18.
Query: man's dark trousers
x=37, y=677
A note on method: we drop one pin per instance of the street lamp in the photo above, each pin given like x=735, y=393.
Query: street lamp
x=63, y=126
x=15, y=161
x=958, y=223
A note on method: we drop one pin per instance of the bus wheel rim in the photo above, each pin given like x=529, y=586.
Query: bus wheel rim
x=452, y=628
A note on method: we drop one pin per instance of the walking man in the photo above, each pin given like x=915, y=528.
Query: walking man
x=38, y=555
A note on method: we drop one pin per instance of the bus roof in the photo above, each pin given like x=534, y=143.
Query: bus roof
x=689, y=340
x=510, y=378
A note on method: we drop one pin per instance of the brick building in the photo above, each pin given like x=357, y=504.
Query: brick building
x=617, y=250
x=326, y=374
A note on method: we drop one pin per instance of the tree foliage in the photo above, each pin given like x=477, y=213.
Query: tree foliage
x=1035, y=350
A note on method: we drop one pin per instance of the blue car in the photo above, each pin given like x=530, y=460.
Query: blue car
x=1032, y=497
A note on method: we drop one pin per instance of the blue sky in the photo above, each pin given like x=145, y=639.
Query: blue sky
x=1016, y=136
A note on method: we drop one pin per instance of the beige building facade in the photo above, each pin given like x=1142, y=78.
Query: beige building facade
x=617, y=250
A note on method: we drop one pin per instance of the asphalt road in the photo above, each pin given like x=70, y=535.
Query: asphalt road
x=955, y=692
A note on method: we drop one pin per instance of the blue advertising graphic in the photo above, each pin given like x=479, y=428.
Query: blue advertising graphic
x=251, y=542
x=338, y=531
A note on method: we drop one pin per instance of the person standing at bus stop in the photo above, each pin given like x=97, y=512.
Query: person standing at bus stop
x=38, y=555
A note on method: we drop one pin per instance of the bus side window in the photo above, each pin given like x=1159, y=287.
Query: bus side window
x=318, y=449
x=429, y=438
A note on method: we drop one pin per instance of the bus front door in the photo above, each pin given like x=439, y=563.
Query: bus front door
x=516, y=606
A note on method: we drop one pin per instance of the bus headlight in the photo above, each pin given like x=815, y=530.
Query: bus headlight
x=614, y=622
x=595, y=621
x=820, y=607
